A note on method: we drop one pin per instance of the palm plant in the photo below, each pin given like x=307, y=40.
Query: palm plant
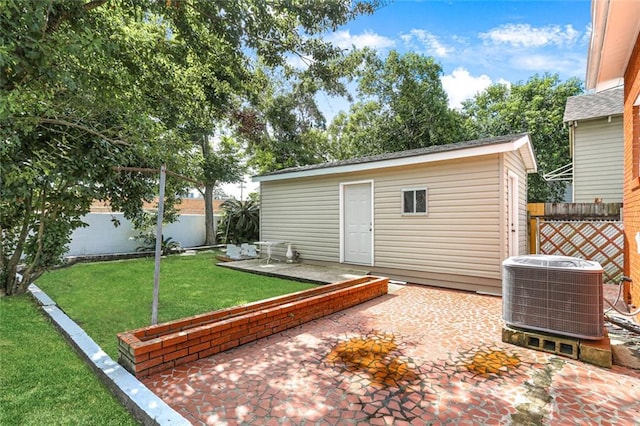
x=240, y=222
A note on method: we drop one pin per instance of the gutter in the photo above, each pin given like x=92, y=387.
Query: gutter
x=599, y=20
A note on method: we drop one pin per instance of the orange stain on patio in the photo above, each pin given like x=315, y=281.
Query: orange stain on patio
x=492, y=362
x=373, y=356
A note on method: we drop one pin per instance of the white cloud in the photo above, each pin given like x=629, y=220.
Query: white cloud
x=345, y=40
x=427, y=42
x=569, y=64
x=460, y=85
x=524, y=35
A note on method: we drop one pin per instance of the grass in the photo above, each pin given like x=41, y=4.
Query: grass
x=43, y=381
x=106, y=298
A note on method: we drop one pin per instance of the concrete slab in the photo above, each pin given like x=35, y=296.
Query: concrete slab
x=317, y=274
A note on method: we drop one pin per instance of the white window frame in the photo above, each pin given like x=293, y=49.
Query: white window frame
x=426, y=201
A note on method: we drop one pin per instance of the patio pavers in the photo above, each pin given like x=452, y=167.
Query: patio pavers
x=418, y=356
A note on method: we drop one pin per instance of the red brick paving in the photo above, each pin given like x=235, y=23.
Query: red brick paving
x=420, y=356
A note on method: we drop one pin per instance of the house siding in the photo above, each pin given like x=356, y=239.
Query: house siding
x=598, y=151
x=631, y=180
x=458, y=244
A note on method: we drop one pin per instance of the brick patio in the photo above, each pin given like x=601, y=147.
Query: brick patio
x=417, y=356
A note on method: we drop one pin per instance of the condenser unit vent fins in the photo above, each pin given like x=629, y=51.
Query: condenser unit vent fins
x=555, y=294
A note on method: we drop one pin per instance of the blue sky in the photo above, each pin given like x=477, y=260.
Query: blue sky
x=477, y=43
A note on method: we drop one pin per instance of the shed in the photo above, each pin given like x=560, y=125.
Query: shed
x=596, y=141
x=444, y=215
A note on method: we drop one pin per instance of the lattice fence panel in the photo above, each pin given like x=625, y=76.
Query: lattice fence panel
x=602, y=242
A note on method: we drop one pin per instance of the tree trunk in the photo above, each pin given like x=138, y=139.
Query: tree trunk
x=8, y=279
x=209, y=219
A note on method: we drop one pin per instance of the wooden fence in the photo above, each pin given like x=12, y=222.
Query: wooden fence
x=588, y=231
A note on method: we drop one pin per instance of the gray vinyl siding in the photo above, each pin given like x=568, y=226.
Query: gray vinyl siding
x=597, y=161
x=305, y=212
x=458, y=238
x=460, y=232
x=513, y=163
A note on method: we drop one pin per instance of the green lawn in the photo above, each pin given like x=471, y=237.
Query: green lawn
x=106, y=298
x=43, y=381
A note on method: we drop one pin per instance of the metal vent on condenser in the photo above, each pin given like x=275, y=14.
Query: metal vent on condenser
x=555, y=294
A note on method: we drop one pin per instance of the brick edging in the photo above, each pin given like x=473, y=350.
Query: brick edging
x=149, y=350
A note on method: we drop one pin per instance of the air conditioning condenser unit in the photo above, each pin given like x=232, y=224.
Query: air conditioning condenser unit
x=554, y=294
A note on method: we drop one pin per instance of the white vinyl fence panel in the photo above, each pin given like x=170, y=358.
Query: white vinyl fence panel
x=102, y=237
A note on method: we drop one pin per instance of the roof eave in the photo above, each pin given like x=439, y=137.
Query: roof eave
x=615, y=28
x=521, y=144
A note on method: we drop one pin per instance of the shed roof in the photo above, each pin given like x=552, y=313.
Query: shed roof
x=596, y=105
x=518, y=142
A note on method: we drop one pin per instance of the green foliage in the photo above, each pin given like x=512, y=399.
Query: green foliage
x=42, y=379
x=146, y=227
x=537, y=107
x=148, y=240
x=292, y=133
x=110, y=297
x=89, y=86
x=402, y=106
x=240, y=222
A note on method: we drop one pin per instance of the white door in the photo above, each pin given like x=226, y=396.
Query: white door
x=357, y=224
x=512, y=216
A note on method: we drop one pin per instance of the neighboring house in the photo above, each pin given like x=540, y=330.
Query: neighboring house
x=596, y=142
x=445, y=215
x=614, y=59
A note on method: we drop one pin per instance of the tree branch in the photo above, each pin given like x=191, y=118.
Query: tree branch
x=83, y=128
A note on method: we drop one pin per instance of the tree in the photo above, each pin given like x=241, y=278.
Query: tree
x=537, y=107
x=290, y=132
x=88, y=86
x=71, y=114
x=221, y=166
x=402, y=106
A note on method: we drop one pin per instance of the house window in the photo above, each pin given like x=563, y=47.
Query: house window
x=414, y=201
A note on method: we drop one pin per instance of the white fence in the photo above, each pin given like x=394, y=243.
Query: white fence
x=101, y=237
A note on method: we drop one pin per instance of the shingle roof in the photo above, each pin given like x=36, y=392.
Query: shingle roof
x=404, y=154
x=601, y=104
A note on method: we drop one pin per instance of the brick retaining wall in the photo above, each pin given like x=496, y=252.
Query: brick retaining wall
x=153, y=349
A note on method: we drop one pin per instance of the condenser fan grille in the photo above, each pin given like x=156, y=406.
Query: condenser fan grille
x=554, y=294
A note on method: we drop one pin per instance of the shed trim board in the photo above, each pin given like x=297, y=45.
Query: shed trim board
x=512, y=213
x=458, y=238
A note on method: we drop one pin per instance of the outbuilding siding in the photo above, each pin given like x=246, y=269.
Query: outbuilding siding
x=458, y=233
x=597, y=160
x=305, y=212
x=456, y=244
